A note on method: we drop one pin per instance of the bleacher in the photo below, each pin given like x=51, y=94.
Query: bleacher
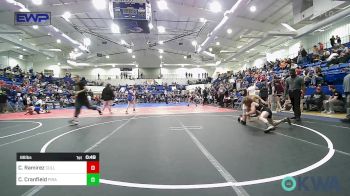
x=333, y=74
x=116, y=82
x=17, y=80
x=13, y=85
x=325, y=90
x=158, y=89
x=153, y=90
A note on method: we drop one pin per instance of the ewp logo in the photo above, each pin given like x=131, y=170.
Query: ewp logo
x=33, y=18
x=311, y=183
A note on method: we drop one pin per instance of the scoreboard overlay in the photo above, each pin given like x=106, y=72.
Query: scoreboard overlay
x=80, y=169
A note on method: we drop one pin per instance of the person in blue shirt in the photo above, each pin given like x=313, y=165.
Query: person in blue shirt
x=131, y=99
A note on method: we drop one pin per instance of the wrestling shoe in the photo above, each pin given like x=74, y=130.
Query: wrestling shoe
x=74, y=122
x=99, y=111
x=270, y=128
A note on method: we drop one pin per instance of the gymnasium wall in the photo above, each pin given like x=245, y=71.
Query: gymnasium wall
x=106, y=72
x=173, y=72
x=342, y=29
x=10, y=59
x=150, y=72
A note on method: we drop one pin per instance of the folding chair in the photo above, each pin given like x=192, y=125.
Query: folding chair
x=19, y=106
x=10, y=107
x=238, y=103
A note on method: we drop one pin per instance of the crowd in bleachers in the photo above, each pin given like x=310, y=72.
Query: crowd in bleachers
x=323, y=69
x=20, y=90
x=152, y=93
x=323, y=72
x=25, y=89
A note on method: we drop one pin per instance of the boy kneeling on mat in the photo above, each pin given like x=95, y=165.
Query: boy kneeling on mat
x=256, y=106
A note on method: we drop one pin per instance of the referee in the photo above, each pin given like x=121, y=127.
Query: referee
x=293, y=88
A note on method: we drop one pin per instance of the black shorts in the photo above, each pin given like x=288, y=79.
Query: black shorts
x=79, y=103
x=268, y=110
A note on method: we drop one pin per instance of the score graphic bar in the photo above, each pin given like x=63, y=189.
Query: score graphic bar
x=58, y=169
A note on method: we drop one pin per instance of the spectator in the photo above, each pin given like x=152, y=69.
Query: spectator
x=316, y=99
x=307, y=77
x=331, y=57
x=336, y=100
x=227, y=100
x=321, y=46
x=332, y=40
x=252, y=89
x=264, y=92
x=271, y=99
x=302, y=57
x=205, y=96
x=283, y=64
x=315, y=50
x=315, y=54
x=3, y=101
x=166, y=98
x=338, y=40
x=318, y=80
x=325, y=54
x=108, y=98
x=84, y=81
x=221, y=94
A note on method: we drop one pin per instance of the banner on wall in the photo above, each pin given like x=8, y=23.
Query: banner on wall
x=33, y=18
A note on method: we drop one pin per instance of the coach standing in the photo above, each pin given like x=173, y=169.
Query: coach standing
x=346, y=84
x=293, y=87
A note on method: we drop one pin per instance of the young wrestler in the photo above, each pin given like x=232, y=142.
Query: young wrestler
x=256, y=106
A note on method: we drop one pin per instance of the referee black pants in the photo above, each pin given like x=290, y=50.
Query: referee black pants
x=221, y=100
x=80, y=103
x=295, y=97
